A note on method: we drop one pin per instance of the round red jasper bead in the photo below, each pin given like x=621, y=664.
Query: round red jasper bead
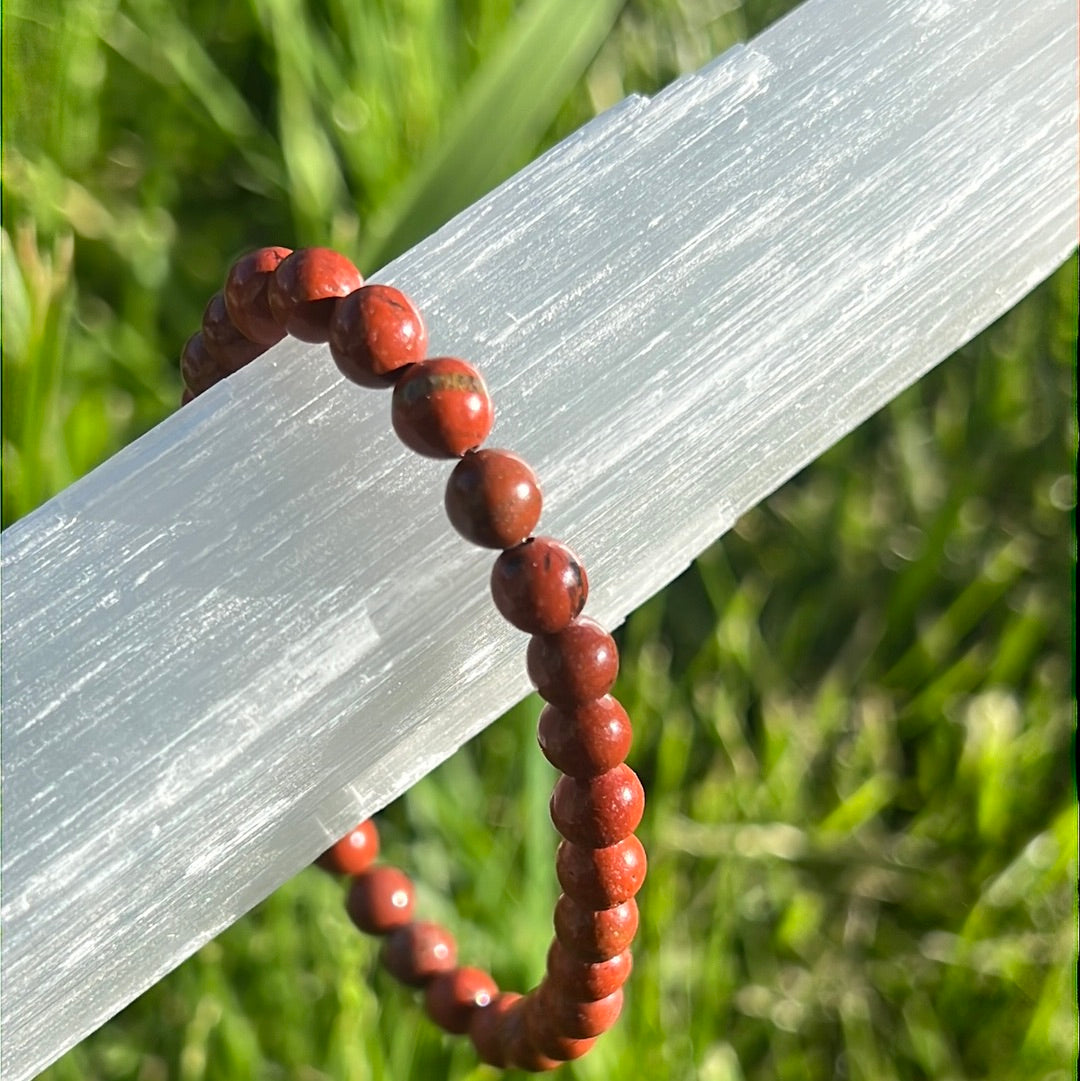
x=546, y=1038
x=601, y=877
x=584, y=981
x=441, y=408
x=305, y=288
x=580, y=1020
x=539, y=585
x=245, y=295
x=595, y=935
x=598, y=811
x=198, y=368
x=355, y=852
x=493, y=499
x=452, y=997
x=577, y=664
x=518, y=1047
x=418, y=952
x=222, y=339
x=380, y=900
x=585, y=739
x=487, y=1026
x=374, y=333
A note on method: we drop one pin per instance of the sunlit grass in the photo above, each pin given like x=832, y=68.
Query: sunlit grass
x=854, y=714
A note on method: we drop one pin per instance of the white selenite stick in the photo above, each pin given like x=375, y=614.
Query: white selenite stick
x=254, y=627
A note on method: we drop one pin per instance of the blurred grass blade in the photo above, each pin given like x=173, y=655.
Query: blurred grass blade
x=36, y=304
x=313, y=168
x=933, y=647
x=509, y=104
x=161, y=45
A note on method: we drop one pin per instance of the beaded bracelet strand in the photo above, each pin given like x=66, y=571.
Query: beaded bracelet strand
x=441, y=409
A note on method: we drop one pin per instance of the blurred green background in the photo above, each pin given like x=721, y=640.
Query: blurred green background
x=855, y=713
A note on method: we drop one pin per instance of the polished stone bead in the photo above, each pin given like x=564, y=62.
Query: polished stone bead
x=355, y=852
x=595, y=935
x=380, y=900
x=586, y=739
x=518, y=1047
x=487, y=1027
x=598, y=811
x=545, y=1037
x=305, y=288
x=200, y=370
x=452, y=997
x=539, y=586
x=584, y=981
x=579, y=1020
x=374, y=333
x=223, y=341
x=441, y=408
x=575, y=665
x=245, y=295
x=418, y=952
x=493, y=499
x=601, y=877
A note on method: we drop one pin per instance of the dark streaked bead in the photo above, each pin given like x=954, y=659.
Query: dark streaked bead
x=493, y=499
x=580, y=1020
x=585, y=739
x=452, y=997
x=601, y=877
x=595, y=935
x=374, y=333
x=545, y=1037
x=245, y=295
x=487, y=1026
x=584, y=981
x=305, y=288
x=222, y=339
x=575, y=665
x=355, y=852
x=199, y=369
x=441, y=408
x=598, y=811
x=539, y=586
x=380, y=900
x=418, y=952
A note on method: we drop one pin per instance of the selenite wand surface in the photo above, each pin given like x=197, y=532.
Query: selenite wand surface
x=213, y=636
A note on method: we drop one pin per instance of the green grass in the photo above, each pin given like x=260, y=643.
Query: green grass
x=854, y=714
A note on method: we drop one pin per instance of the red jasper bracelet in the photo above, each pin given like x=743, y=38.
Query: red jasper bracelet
x=441, y=409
